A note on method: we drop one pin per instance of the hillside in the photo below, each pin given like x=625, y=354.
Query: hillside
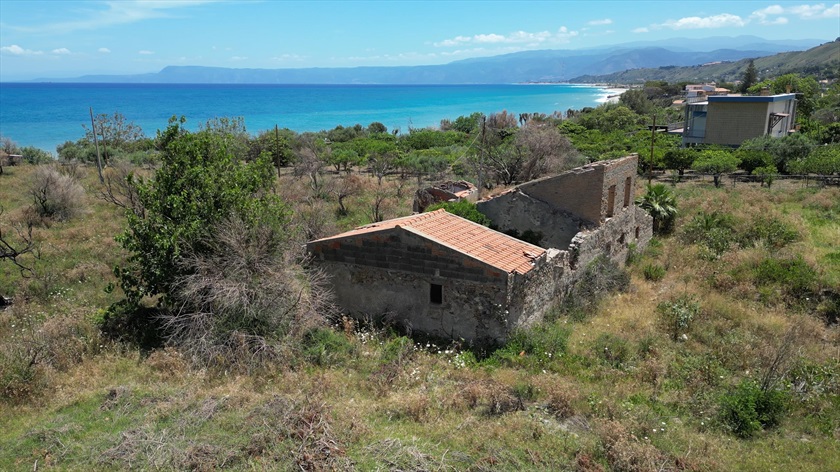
x=822, y=61
x=527, y=66
x=656, y=377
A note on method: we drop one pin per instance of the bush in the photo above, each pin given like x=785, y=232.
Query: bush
x=715, y=231
x=325, y=347
x=55, y=195
x=770, y=230
x=794, y=276
x=612, y=349
x=600, y=277
x=464, y=209
x=748, y=408
x=535, y=347
x=654, y=272
x=677, y=314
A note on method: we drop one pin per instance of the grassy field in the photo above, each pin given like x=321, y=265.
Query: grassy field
x=740, y=294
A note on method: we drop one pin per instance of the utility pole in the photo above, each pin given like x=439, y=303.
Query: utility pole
x=96, y=144
x=652, y=141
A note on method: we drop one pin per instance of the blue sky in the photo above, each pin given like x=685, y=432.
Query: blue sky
x=63, y=38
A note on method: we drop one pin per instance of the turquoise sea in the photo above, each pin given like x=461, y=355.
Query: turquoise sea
x=47, y=114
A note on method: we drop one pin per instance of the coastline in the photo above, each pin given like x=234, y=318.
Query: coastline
x=46, y=115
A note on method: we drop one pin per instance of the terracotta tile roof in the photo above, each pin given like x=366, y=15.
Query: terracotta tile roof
x=479, y=242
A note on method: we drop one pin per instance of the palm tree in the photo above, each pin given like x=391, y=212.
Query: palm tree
x=661, y=204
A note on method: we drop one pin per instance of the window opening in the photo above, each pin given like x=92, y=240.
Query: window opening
x=627, y=182
x=610, y=201
x=436, y=294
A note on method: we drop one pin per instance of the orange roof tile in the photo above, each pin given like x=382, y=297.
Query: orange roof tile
x=479, y=242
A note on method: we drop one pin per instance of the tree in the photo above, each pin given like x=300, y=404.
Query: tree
x=679, y=159
x=824, y=160
x=717, y=163
x=749, y=78
x=661, y=205
x=200, y=183
x=115, y=132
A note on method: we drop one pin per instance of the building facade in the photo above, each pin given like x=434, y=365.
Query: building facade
x=729, y=120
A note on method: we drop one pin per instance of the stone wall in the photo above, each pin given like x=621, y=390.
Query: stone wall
x=472, y=311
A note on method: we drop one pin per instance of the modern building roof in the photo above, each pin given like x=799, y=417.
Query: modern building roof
x=472, y=239
x=752, y=98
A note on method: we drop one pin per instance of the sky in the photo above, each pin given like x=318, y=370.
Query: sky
x=64, y=38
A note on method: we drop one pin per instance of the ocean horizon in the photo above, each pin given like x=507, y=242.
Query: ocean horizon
x=45, y=115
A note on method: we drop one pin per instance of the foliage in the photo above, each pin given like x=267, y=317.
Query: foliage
x=199, y=184
x=717, y=163
x=767, y=174
x=784, y=150
x=715, y=231
x=35, y=155
x=114, y=133
x=752, y=159
x=794, y=277
x=807, y=90
x=653, y=272
x=325, y=346
x=824, y=160
x=677, y=314
x=463, y=124
x=661, y=204
x=749, y=78
x=464, y=209
x=600, y=277
x=679, y=159
x=771, y=231
x=747, y=408
x=55, y=195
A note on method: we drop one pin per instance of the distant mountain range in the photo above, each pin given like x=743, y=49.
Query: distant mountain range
x=528, y=66
x=822, y=61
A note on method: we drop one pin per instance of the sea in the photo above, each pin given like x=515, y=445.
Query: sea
x=45, y=115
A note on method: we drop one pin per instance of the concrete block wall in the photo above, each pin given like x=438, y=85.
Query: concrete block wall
x=397, y=249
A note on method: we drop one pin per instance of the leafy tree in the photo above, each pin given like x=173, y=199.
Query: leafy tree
x=749, y=78
x=115, y=132
x=784, y=150
x=752, y=159
x=766, y=174
x=35, y=155
x=277, y=143
x=463, y=124
x=376, y=128
x=464, y=209
x=637, y=100
x=717, y=163
x=807, y=87
x=661, y=204
x=200, y=183
x=679, y=159
x=824, y=160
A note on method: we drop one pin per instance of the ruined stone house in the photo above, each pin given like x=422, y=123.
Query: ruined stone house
x=448, y=277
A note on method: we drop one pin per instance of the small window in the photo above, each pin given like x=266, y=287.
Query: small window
x=637, y=232
x=627, y=187
x=436, y=294
x=610, y=201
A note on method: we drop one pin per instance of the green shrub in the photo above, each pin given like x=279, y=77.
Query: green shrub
x=326, y=347
x=612, y=349
x=748, y=408
x=600, y=277
x=794, y=276
x=464, y=209
x=677, y=314
x=535, y=347
x=714, y=231
x=654, y=272
x=773, y=231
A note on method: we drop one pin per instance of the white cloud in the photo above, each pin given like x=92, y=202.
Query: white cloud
x=696, y=22
x=62, y=51
x=605, y=21
x=104, y=50
x=145, y=52
x=16, y=50
x=518, y=37
x=641, y=30
x=803, y=12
